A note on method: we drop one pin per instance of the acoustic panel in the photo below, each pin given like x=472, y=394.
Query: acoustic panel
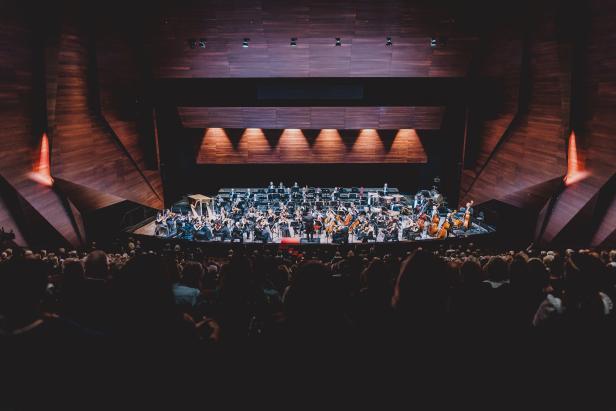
x=351, y=118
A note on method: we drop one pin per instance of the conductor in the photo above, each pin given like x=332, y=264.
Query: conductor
x=309, y=226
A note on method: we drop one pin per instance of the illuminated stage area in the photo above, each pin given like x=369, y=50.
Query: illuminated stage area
x=328, y=215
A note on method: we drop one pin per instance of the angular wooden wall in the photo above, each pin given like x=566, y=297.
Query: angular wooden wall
x=48, y=84
x=566, y=85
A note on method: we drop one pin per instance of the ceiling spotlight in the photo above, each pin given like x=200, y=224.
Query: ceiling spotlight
x=293, y=41
x=192, y=43
x=245, y=42
x=202, y=43
x=433, y=42
x=338, y=41
x=388, y=43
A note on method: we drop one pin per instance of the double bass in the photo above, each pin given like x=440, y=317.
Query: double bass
x=467, y=215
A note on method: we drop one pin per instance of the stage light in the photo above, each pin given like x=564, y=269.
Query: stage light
x=192, y=43
x=293, y=41
x=202, y=43
x=388, y=43
x=433, y=42
x=338, y=42
x=245, y=42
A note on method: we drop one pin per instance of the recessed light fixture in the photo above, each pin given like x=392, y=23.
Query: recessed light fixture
x=389, y=43
x=338, y=41
x=202, y=43
x=293, y=41
x=245, y=42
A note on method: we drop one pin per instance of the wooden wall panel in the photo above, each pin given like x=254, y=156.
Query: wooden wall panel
x=362, y=25
x=535, y=150
x=85, y=150
x=350, y=118
x=21, y=110
x=596, y=144
x=500, y=62
x=256, y=146
x=118, y=77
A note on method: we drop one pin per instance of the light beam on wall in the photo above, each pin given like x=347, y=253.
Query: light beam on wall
x=575, y=166
x=41, y=172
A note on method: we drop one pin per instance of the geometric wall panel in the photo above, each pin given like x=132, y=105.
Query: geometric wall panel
x=424, y=118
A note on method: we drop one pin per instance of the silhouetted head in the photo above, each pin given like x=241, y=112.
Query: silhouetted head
x=22, y=288
x=97, y=265
x=471, y=272
x=422, y=287
x=311, y=294
x=497, y=269
x=192, y=274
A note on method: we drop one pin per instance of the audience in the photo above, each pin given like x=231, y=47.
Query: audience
x=281, y=303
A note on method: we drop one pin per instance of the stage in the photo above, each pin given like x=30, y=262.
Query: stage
x=476, y=230
x=280, y=215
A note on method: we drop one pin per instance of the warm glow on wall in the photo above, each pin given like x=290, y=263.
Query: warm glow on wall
x=575, y=166
x=329, y=146
x=368, y=144
x=407, y=147
x=254, y=146
x=42, y=171
x=293, y=146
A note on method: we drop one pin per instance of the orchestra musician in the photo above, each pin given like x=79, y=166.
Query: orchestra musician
x=391, y=231
x=265, y=219
x=309, y=226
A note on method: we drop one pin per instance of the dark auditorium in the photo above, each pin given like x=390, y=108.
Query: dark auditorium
x=325, y=203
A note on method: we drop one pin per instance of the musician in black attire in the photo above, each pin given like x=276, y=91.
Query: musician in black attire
x=309, y=226
x=222, y=231
x=237, y=233
x=341, y=235
x=391, y=232
x=262, y=234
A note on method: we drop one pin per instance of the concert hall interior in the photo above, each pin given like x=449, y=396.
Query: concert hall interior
x=345, y=130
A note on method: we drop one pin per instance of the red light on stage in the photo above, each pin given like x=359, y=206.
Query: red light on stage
x=575, y=166
x=42, y=170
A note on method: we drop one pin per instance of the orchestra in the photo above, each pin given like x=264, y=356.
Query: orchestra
x=330, y=214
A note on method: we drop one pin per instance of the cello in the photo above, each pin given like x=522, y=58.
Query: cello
x=433, y=230
x=444, y=230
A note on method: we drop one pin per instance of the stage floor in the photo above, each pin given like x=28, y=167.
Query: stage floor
x=476, y=229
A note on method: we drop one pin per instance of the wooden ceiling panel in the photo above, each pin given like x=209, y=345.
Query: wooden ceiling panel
x=362, y=26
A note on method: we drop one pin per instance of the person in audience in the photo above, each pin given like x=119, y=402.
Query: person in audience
x=468, y=296
x=581, y=305
x=374, y=299
x=144, y=308
x=422, y=294
x=188, y=289
x=313, y=315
